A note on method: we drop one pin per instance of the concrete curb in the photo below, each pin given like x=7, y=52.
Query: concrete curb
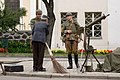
x=87, y=75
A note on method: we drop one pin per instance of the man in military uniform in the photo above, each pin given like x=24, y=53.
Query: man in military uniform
x=37, y=18
x=70, y=38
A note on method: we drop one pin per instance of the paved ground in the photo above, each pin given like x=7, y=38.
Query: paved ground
x=40, y=78
x=50, y=73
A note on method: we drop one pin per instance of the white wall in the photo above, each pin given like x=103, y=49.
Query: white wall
x=32, y=8
x=111, y=24
x=114, y=23
x=80, y=6
x=1, y=2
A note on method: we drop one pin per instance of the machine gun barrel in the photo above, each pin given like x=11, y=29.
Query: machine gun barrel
x=81, y=29
x=97, y=20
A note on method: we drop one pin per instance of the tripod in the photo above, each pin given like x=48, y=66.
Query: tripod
x=89, y=50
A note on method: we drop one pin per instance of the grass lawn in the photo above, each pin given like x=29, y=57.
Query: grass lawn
x=46, y=55
x=16, y=54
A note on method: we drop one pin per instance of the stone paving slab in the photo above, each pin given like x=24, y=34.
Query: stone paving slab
x=50, y=73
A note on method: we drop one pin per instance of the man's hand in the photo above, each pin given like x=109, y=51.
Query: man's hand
x=68, y=31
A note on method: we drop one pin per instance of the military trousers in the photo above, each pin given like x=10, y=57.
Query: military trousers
x=71, y=46
x=38, y=54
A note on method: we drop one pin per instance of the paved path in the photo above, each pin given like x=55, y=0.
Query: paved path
x=50, y=73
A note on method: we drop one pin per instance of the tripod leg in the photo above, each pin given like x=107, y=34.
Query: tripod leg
x=76, y=60
x=84, y=61
x=91, y=63
x=96, y=59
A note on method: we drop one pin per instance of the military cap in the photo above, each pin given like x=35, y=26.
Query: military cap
x=68, y=14
x=38, y=11
x=44, y=17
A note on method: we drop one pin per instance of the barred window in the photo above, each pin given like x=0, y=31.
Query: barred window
x=13, y=4
x=63, y=16
x=95, y=30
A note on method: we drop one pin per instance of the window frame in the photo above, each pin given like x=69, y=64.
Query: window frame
x=13, y=4
x=91, y=18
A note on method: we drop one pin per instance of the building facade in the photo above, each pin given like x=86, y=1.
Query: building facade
x=85, y=11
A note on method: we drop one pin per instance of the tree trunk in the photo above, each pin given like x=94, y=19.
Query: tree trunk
x=50, y=6
x=51, y=27
x=37, y=4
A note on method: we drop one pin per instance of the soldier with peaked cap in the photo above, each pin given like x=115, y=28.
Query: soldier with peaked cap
x=68, y=14
x=70, y=38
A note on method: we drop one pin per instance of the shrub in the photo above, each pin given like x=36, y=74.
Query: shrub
x=18, y=47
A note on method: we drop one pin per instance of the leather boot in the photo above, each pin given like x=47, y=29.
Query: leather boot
x=70, y=61
x=76, y=60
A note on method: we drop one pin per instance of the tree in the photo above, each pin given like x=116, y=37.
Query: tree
x=50, y=7
x=10, y=19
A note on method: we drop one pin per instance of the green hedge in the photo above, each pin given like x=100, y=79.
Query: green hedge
x=18, y=47
x=21, y=47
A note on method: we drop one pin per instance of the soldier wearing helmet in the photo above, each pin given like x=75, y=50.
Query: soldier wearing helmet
x=70, y=38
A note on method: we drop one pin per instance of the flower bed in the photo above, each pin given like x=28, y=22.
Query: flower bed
x=2, y=50
x=98, y=51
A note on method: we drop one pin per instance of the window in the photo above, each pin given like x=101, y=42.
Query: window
x=63, y=16
x=95, y=30
x=13, y=4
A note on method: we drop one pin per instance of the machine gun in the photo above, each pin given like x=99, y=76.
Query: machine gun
x=97, y=20
x=88, y=48
x=81, y=29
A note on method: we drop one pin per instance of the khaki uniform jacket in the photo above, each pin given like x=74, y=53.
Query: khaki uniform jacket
x=32, y=22
x=68, y=25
